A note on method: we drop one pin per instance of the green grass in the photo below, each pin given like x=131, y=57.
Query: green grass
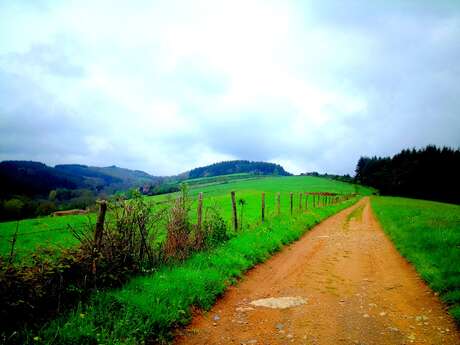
x=148, y=307
x=220, y=179
x=428, y=235
x=53, y=232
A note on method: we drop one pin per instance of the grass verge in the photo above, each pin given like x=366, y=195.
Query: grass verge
x=427, y=234
x=148, y=308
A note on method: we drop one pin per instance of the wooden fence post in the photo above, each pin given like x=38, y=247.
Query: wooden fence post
x=235, y=219
x=278, y=200
x=306, y=201
x=291, y=194
x=263, y=207
x=100, y=224
x=300, y=201
x=200, y=211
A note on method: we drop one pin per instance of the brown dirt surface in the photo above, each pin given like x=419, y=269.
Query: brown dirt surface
x=356, y=287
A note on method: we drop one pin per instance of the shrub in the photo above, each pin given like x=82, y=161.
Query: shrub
x=215, y=228
x=178, y=239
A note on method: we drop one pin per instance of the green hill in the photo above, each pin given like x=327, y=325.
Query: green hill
x=237, y=167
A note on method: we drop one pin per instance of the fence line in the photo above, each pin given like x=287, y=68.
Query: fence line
x=318, y=199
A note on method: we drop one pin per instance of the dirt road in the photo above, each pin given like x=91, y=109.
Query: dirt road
x=350, y=286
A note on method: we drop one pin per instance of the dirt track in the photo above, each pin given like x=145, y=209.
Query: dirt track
x=357, y=288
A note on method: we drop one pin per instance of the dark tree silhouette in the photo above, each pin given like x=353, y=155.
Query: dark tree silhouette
x=429, y=173
x=234, y=167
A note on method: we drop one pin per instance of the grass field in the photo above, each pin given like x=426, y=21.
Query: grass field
x=148, y=307
x=53, y=232
x=50, y=232
x=428, y=235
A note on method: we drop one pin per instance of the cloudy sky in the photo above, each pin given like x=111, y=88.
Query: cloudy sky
x=165, y=86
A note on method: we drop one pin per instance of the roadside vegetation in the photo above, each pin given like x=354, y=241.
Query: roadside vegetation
x=428, y=235
x=149, y=307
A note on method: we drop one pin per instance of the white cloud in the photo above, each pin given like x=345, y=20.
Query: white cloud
x=165, y=86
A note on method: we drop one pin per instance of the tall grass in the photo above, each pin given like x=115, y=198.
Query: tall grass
x=428, y=235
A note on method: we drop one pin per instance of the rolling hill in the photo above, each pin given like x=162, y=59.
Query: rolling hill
x=37, y=179
x=238, y=167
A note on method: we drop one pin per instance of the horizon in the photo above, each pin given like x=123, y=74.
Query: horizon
x=252, y=161
x=165, y=87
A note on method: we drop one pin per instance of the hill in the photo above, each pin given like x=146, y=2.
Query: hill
x=33, y=178
x=109, y=178
x=237, y=167
x=38, y=179
x=29, y=189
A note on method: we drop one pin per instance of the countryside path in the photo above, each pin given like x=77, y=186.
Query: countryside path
x=357, y=287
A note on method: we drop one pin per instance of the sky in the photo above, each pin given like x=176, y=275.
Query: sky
x=166, y=86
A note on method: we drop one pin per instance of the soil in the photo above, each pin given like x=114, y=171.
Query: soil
x=354, y=286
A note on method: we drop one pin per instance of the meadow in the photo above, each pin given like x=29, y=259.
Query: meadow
x=427, y=234
x=55, y=232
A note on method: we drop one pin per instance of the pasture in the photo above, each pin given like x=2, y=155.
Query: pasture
x=55, y=232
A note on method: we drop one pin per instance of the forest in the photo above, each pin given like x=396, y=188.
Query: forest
x=238, y=166
x=429, y=173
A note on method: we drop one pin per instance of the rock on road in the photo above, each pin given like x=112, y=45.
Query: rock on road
x=352, y=287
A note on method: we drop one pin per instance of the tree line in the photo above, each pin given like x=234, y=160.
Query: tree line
x=431, y=173
x=238, y=166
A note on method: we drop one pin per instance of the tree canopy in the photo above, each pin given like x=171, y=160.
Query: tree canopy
x=429, y=173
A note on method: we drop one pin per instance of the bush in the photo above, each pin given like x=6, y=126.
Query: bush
x=12, y=208
x=215, y=228
x=178, y=240
x=45, y=208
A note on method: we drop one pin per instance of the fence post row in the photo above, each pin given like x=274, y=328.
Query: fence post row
x=278, y=199
x=100, y=224
x=235, y=219
x=263, y=207
x=200, y=211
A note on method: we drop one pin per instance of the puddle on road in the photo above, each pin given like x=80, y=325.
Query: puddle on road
x=279, y=302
